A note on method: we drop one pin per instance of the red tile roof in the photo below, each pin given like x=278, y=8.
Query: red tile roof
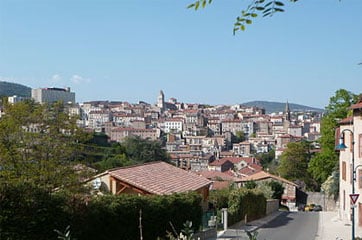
x=219, y=162
x=248, y=171
x=160, y=178
x=214, y=175
x=264, y=175
x=217, y=185
x=347, y=120
x=356, y=106
x=248, y=160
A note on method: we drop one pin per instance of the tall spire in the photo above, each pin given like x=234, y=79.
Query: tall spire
x=287, y=111
x=161, y=101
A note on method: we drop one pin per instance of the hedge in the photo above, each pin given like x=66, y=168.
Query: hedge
x=240, y=203
x=28, y=212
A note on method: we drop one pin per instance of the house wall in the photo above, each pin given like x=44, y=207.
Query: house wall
x=345, y=182
x=357, y=122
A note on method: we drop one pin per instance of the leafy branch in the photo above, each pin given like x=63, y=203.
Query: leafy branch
x=255, y=9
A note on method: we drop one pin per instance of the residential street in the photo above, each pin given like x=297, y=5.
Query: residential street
x=299, y=225
x=295, y=225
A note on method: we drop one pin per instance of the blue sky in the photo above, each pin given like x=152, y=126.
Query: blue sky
x=129, y=50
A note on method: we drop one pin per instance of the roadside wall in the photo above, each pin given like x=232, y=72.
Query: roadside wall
x=327, y=203
x=272, y=205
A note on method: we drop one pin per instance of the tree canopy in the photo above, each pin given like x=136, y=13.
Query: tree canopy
x=294, y=163
x=39, y=145
x=326, y=161
x=133, y=150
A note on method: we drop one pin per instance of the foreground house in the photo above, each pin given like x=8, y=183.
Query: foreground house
x=350, y=162
x=158, y=178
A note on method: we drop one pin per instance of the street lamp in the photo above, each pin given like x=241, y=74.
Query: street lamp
x=342, y=146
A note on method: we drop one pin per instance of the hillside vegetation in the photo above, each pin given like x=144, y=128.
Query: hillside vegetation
x=10, y=89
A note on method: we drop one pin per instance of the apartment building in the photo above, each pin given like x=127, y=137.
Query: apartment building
x=50, y=95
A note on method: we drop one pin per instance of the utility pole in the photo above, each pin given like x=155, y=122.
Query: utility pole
x=140, y=226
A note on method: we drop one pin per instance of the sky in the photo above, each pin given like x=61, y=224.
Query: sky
x=129, y=50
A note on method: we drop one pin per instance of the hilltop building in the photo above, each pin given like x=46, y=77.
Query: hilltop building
x=50, y=95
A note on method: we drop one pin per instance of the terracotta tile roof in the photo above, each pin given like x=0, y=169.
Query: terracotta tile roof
x=214, y=175
x=264, y=175
x=217, y=185
x=356, y=106
x=160, y=178
x=219, y=162
x=347, y=120
x=248, y=160
x=248, y=171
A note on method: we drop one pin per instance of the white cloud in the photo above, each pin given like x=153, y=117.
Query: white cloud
x=76, y=79
x=56, y=78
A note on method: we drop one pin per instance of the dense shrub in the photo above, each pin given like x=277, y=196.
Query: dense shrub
x=29, y=212
x=240, y=202
x=248, y=203
x=220, y=198
x=118, y=217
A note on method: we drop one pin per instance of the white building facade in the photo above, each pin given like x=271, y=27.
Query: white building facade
x=50, y=95
x=350, y=161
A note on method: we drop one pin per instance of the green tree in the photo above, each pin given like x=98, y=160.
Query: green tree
x=294, y=162
x=266, y=158
x=238, y=137
x=277, y=189
x=326, y=161
x=250, y=184
x=118, y=160
x=144, y=150
x=39, y=145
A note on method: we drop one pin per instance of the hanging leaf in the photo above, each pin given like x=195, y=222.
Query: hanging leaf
x=278, y=10
x=191, y=5
x=197, y=4
x=259, y=8
x=279, y=3
x=268, y=4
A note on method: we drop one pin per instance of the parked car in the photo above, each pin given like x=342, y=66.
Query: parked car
x=309, y=207
x=317, y=208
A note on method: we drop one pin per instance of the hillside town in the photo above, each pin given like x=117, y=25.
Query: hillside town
x=218, y=142
x=194, y=134
x=209, y=148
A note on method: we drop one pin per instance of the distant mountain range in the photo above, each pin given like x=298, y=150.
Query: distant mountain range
x=8, y=89
x=271, y=107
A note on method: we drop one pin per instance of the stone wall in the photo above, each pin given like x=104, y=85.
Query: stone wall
x=327, y=203
x=272, y=205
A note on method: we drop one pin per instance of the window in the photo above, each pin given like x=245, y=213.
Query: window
x=360, y=145
x=344, y=170
x=359, y=178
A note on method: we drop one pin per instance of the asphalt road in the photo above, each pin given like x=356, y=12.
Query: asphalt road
x=291, y=226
